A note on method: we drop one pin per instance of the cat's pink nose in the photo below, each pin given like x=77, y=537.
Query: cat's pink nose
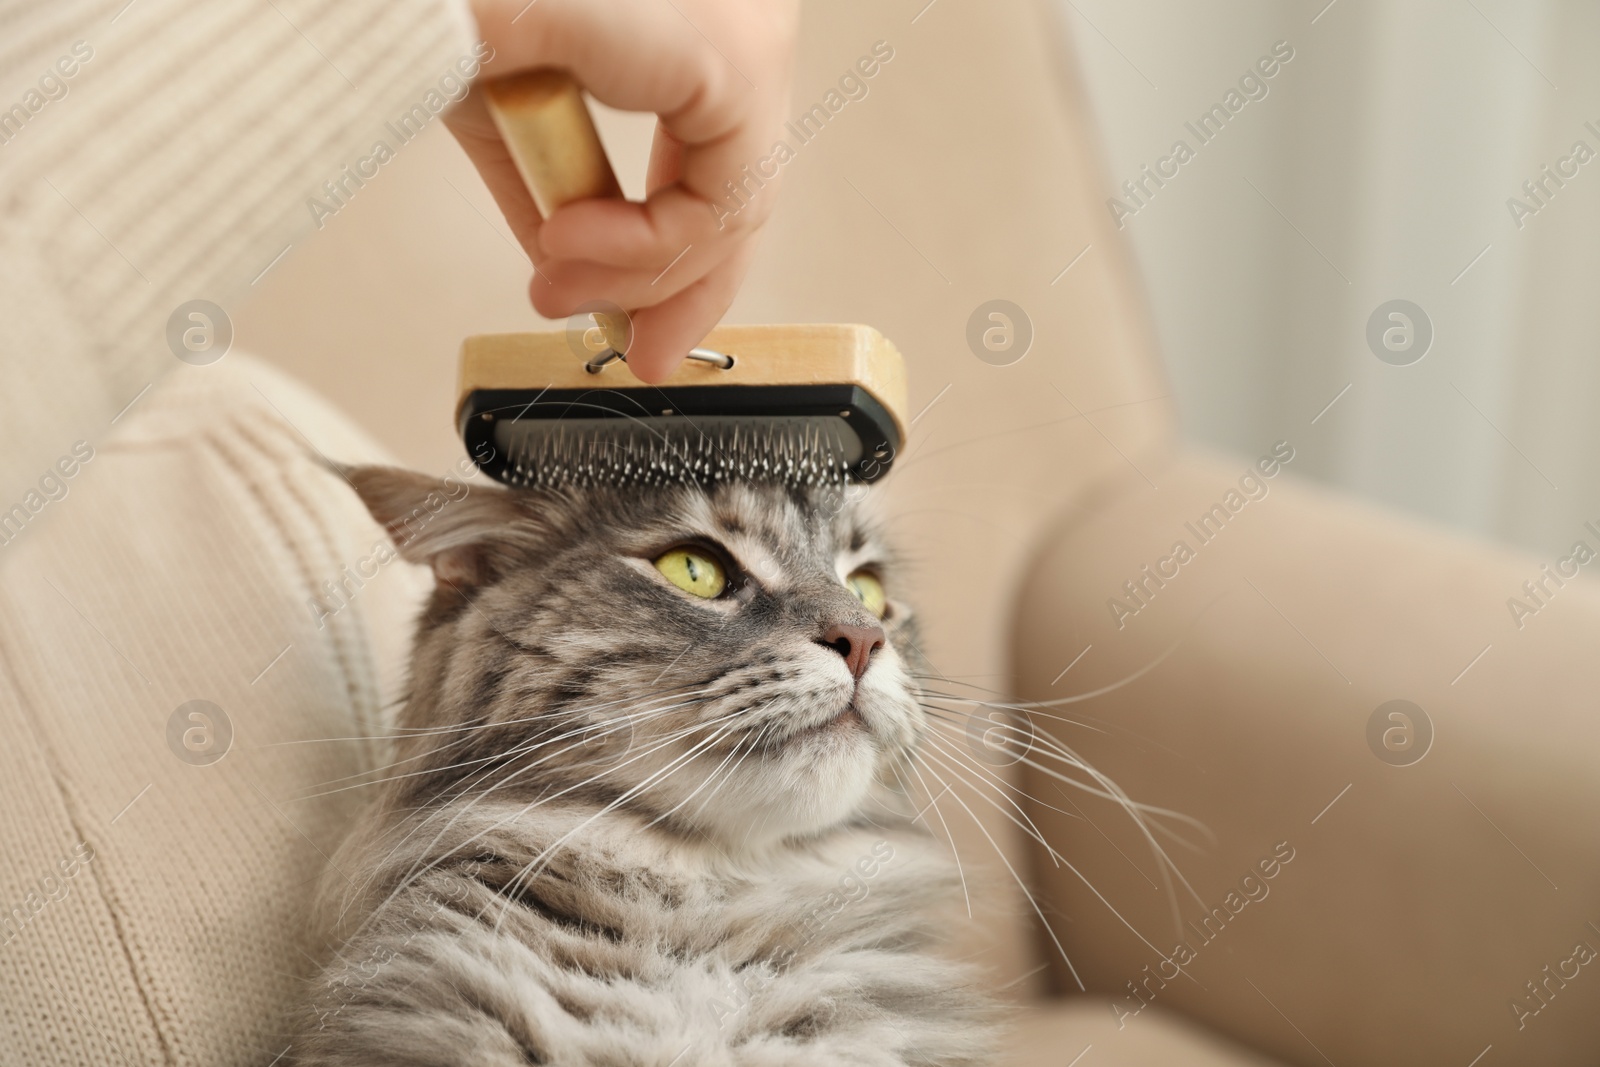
x=855, y=643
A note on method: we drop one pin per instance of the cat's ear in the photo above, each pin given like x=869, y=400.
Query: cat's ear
x=463, y=531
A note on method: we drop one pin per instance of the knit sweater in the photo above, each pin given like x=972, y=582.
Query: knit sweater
x=163, y=523
x=177, y=159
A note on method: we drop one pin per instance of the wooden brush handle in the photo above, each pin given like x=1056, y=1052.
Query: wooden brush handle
x=552, y=139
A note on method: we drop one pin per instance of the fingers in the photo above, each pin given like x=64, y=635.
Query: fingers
x=716, y=73
x=663, y=334
x=565, y=285
x=654, y=233
x=689, y=61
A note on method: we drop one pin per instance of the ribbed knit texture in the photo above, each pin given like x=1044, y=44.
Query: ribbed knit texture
x=179, y=163
x=180, y=563
x=179, y=567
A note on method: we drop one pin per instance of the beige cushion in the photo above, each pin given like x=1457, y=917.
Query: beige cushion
x=1420, y=903
x=157, y=908
x=1083, y=1032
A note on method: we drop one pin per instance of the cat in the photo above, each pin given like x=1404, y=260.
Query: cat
x=648, y=799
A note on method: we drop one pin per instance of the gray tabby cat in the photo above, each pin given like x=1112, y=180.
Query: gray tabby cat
x=646, y=805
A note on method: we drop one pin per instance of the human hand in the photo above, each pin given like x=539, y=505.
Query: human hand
x=674, y=261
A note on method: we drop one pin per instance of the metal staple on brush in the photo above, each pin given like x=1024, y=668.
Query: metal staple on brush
x=803, y=457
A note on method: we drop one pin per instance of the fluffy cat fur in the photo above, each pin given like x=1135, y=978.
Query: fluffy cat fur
x=627, y=826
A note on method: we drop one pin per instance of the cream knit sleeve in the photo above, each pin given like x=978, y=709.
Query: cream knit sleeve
x=154, y=152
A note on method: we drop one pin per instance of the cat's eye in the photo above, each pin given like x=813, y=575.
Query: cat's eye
x=694, y=571
x=868, y=590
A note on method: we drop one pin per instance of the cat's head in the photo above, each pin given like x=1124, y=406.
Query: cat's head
x=732, y=659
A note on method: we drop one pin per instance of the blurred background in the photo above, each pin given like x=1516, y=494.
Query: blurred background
x=1377, y=167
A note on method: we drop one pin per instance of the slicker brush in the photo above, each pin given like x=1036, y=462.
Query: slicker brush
x=803, y=405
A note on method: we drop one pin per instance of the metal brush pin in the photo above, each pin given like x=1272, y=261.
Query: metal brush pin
x=657, y=453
